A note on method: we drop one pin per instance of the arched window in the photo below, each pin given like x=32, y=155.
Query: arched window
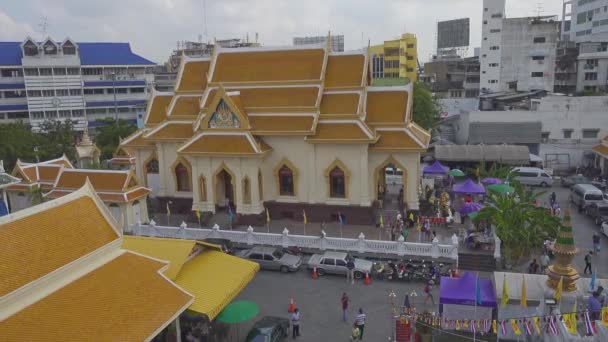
x=337, y=183
x=202, y=183
x=286, y=187
x=260, y=185
x=152, y=166
x=246, y=191
x=182, y=177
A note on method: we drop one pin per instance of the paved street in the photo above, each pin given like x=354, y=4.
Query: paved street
x=319, y=303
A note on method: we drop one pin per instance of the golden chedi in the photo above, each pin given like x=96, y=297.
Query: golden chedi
x=564, y=250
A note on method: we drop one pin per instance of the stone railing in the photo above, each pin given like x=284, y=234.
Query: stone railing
x=250, y=237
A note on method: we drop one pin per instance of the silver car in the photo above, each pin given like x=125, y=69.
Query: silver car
x=271, y=258
x=335, y=262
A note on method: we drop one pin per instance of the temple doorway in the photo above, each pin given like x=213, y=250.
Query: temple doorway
x=224, y=189
x=389, y=187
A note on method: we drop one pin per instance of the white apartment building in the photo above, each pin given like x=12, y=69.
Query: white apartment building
x=592, y=75
x=585, y=21
x=491, y=41
x=60, y=80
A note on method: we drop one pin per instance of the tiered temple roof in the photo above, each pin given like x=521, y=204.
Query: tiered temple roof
x=241, y=95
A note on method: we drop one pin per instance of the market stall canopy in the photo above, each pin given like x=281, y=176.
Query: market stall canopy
x=436, y=168
x=470, y=208
x=463, y=290
x=456, y=173
x=239, y=311
x=501, y=188
x=491, y=180
x=469, y=187
x=507, y=154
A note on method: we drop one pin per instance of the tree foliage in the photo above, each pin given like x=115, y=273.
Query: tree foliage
x=426, y=107
x=494, y=171
x=109, y=134
x=18, y=141
x=520, y=224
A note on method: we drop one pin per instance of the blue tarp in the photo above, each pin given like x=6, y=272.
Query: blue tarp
x=3, y=208
x=463, y=290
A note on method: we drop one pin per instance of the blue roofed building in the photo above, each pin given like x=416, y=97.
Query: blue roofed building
x=81, y=81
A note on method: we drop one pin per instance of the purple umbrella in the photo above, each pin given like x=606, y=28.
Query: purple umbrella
x=469, y=208
x=469, y=187
x=436, y=168
x=491, y=180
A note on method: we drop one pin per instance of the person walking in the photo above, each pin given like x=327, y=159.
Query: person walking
x=553, y=198
x=596, y=242
x=360, y=322
x=344, y=302
x=295, y=323
x=544, y=263
x=588, y=262
x=350, y=271
x=533, y=267
x=428, y=292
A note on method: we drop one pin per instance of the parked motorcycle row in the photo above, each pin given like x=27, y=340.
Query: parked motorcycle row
x=411, y=270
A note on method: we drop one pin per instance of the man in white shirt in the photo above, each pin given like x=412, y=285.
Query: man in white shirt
x=360, y=322
x=295, y=323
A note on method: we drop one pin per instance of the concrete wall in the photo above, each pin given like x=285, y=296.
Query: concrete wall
x=601, y=70
x=492, y=20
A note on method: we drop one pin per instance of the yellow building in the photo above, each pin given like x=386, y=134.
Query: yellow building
x=396, y=58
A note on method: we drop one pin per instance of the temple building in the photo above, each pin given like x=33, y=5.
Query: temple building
x=120, y=190
x=287, y=129
x=87, y=152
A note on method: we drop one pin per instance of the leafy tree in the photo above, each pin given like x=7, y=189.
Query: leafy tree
x=35, y=195
x=109, y=134
x=16, y=141
x=519, y=223
x=426, y=107
x=57, y=138
x=495, y=171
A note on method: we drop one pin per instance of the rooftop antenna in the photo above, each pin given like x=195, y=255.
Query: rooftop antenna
x=539, y=8
x=43, y=26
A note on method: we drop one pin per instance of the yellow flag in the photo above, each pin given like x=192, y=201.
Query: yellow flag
x=494, y=328
x=515, y=327
x=558, y=291
x=505, y=291
x=536, y=324
x=605, y=316
x=457, y=325
x=572, y=327
x=411, y=217
x=466, y=324
x=419, y=227
x=381, y=221
x=524, y=297
x=267, y=216
x=198, y=215
x=304, y=214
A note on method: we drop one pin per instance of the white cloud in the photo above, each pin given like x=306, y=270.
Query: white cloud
x=153, y=26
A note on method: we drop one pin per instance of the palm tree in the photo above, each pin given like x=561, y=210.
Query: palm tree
x=519, y=223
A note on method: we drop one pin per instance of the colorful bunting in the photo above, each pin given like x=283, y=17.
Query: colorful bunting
x=515, y=327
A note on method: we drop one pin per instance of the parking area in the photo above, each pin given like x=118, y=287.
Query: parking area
x=319, y=302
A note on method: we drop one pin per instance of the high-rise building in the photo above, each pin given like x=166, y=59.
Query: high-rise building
x=491, y=37
x=395, y=59
x=585, y=21
x=60, y=80
x=517, y=54
x=337, y=42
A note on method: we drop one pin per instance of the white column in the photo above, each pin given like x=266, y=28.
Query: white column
x=163, y=169
x=364, y=182
x=6, y=201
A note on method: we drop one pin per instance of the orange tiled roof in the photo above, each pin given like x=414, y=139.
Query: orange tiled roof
x=157, y=109
x=281, y=124
x=101, y=180
x=343, y=103
x=115, y=197
x=186, y=106
x=42, y=242
x=221, y=144
x=601, y=149
x=279, y=97
x=136, y=140
x=420, y=133
x=263, y=66
x=395, y=140
x=386, y=107
x=341, y=131
x=344, y=71
x=171, y=130
x=194, y=76
x=126, y=299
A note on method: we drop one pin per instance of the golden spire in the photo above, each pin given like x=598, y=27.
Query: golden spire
x=564, y=249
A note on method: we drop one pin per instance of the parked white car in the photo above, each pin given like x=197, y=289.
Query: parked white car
x=335, y=262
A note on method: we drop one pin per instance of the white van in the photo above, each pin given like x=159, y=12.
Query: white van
x=581, y=195
x=532, y=176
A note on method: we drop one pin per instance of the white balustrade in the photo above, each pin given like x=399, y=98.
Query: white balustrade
x=249, y=237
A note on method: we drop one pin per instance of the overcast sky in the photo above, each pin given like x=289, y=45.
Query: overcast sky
x=153, y=26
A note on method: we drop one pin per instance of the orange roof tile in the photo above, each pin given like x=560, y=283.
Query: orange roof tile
x=340, y=131
x=601, y=149
x=137, y=193
x=101, y=180
x=171, y=130
x=395, y=140
x=48, y=173
x=219, y=144
x=261, y=66
x=386, y=107
x=210, y=97
x=346, y=103
x=42, y=242
x=157, y=109
x=116, y=197
x=281, y=124
x=136, y=140
x=420, y=133
x=279, y=97
x=344, y=71
x=126, y=299
x=193, y=76
x=186, y=106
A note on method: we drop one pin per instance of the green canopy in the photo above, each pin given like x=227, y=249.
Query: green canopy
x=500, y=188
x=239, y=311
x=456, y=173
x=473, y=215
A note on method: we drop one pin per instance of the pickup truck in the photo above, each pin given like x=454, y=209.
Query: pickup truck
x=335, y=262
